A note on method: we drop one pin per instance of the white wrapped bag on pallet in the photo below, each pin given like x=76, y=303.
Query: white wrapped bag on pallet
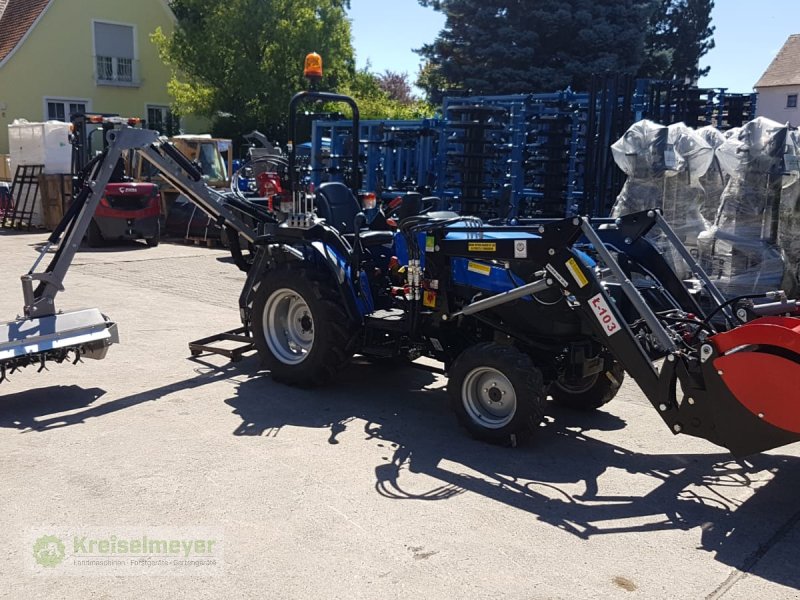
x=45, y=144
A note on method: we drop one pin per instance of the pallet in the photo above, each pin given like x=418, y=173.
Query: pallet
x=199, y=241
x=207, y=242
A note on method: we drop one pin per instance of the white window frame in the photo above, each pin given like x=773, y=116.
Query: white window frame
x=64, y=100
x=796, y=96
x=150, y=105
x=135, y=79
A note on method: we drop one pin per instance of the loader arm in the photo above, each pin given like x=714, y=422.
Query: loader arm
x=734, y=388
x=729, y=383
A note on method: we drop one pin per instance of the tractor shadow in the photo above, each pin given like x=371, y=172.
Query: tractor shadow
x=52, y=407
x=566, y=477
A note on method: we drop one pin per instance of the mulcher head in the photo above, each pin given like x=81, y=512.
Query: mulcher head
x=57, y=338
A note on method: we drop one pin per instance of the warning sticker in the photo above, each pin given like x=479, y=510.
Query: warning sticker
x=479, y=268
x=429, y=299
x=557, y=275
x=580, y=278
x=603, y=313
x=521, y=249
x=482, y=247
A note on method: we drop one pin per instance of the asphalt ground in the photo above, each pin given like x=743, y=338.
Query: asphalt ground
x=364, y=489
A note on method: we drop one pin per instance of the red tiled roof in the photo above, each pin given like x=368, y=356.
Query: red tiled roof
x=785, y=68
x=15, y=21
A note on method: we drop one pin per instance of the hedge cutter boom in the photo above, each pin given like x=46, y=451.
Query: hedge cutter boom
x=44, y=334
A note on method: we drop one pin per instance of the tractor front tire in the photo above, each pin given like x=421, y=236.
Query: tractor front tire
x=591, y=392
x=300, y=329
x=497, y=393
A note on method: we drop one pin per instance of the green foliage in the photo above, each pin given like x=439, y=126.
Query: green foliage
x=679, y=35
x=374, y=101
x=433, y=81
x=239, y=62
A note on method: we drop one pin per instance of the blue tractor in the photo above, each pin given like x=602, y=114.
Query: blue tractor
x=517, y=313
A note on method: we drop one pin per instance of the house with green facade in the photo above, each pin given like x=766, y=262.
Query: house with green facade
x=64, y=56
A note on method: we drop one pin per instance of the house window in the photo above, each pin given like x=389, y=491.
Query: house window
x=60, y=109
x=114, y=54
x=162, y=120
x=791, y=101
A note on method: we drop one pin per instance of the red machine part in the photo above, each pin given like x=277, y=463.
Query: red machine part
x=268, y=184
x=129, y=201
x=758, y=363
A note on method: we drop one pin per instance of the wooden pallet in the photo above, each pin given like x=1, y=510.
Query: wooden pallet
x=198, y=241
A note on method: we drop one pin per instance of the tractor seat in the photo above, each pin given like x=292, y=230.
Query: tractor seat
x=338, y=206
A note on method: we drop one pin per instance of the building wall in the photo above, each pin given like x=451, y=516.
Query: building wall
x=772, y=104
x=57, y=60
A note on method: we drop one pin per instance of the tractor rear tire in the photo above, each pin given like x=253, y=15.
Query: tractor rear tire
x=497, y=393
x=300, y=329
x=591, y=392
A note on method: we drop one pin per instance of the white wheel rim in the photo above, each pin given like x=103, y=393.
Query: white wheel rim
x=489, y=397
x=288, y=326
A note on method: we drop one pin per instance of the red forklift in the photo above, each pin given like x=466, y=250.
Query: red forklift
x=128, y=210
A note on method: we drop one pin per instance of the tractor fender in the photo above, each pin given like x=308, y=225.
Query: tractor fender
x=339, y=267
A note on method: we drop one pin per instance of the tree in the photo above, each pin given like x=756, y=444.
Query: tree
x=518, y=46
x=679, y=35
x=374, y=102
x=239, y=62
x=396, y=86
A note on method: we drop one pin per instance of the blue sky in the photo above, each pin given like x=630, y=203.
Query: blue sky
x=748, y=36
x=385, y=32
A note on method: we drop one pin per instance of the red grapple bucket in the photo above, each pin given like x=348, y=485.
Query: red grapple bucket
x=759, y=363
